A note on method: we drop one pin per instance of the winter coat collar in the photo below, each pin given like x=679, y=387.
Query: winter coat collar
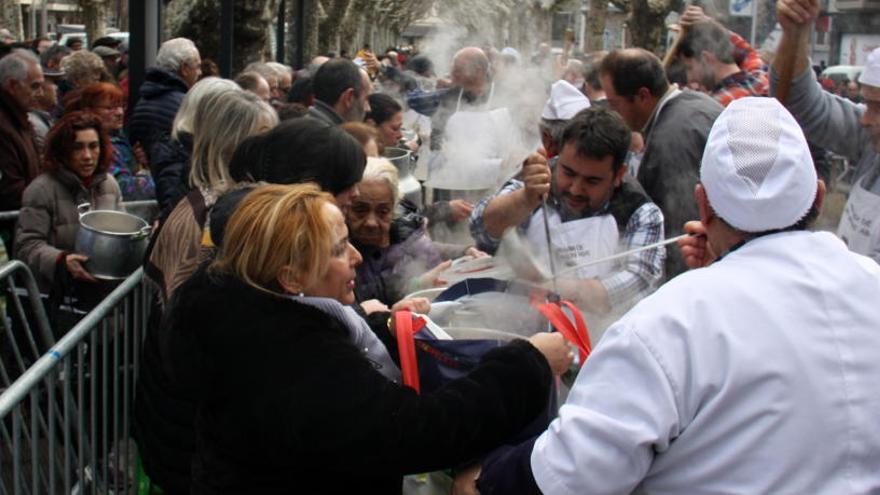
x=11, y=107
x=160, y=81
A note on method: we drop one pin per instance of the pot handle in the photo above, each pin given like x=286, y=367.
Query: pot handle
x=83, y=208
x=144, y=232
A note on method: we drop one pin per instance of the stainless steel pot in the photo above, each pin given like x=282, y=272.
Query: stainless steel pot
x=408, y=186
x=114, y=241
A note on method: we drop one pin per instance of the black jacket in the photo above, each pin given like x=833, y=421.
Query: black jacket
x=160, y=98
x=169, y=165
x=286, y=404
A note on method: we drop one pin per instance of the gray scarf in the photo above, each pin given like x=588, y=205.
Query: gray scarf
x=362, y=335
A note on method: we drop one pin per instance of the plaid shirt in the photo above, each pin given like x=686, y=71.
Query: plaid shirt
x=637, y=275
x=753, y=80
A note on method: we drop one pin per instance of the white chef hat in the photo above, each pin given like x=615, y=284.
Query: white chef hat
x=871, y=74
x=757, y=169
x=565, y=101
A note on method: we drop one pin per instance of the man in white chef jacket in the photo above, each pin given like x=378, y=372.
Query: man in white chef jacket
x=757, y=373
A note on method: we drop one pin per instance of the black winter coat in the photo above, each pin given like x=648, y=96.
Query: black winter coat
x=286, y=404
x=169, y=165
x=160, y=98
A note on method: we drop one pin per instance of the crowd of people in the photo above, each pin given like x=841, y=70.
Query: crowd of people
x=286, y=248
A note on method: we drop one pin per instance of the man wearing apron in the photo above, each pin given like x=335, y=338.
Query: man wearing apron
x=838, y=124
x=594, y=209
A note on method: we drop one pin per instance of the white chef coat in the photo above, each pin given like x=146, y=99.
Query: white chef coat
x=759, y=374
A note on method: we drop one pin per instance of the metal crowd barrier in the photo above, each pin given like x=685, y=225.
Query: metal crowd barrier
x=144, y=208
x=65, y=420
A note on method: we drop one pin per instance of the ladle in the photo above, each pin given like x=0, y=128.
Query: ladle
x=526, y=266
x=623, y=254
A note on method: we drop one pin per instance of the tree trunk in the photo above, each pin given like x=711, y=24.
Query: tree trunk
x=334, y=11
x=359, y=13
x=595, y=33
x=10, y=18
x=311, y=25
x=95, y=15
x=199, y=20
x=647, y=24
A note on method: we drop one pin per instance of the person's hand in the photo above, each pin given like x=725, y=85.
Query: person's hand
x=459, y=209
x=476, y=253
x=692, y=15
x=465, y=482
x=433, y=277
x=414, y=304
x=371, y=62
x=794, y=13
x=588, y=294
x=371, y=306
x=74, y=264
x=140, y=155
x=695, y=249
x=536, y=177
x=554, y=347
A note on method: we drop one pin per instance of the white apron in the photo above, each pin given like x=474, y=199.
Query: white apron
x=575, y=242
x=474, y=147
x=859, y=225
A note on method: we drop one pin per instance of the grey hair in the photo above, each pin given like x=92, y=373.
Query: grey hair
x=183, y=121
x=176, y=52
x=281, y=68
x=554, y=128
x=83, y=65
x=263, y=69
x=16, y=65
x=222, y=121
x=381, y=170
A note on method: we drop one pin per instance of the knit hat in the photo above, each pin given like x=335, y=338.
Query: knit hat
x=871, y=74
x=565, y=102
x=757, y=169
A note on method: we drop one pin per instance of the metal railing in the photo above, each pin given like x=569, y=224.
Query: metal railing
x=64, y=422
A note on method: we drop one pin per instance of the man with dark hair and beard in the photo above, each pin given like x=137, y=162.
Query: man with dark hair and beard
x=594, y=209
x=341, y=90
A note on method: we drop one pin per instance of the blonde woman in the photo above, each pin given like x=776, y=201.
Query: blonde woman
x=170, y=153
x=223, y=120
x=295, y=394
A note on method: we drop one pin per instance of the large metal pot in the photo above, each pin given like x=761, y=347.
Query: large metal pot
x=114, y=241
x=408, y=186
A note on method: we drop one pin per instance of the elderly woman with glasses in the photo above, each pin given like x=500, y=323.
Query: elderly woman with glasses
x=106, y=101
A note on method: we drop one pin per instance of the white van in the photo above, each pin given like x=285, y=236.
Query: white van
x=838, y=73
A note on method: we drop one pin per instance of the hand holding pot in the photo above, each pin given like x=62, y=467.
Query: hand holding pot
x=459, y=209
x=433, y=277
x=415, y=305
x=554, y=347
x=74, y=264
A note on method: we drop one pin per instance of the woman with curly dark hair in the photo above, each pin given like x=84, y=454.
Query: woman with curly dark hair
x=78, y=154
